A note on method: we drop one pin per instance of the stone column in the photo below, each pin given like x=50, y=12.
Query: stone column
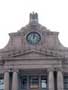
x=6, y=80
x=60, y=85
x=51, y=80
x=15, y=81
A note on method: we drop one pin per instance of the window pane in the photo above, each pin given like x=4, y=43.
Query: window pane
x=24, y=82
x=43, y=82
x=1, y=84
x=34, y=82
x=65, y=82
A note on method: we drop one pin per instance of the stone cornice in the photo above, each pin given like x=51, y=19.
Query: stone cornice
x=44, y=58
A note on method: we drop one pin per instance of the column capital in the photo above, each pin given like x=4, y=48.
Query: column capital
x=50, y=69
x=15, y=70
x=6, y=70
x=59, y=69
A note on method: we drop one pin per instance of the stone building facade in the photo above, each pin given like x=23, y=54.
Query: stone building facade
x=34, y=59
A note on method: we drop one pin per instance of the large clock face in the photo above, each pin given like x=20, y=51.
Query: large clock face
x=33, y=38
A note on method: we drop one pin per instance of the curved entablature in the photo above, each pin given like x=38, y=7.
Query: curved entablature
x=39, y=37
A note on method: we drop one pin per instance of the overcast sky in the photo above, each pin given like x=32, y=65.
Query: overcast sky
x=14, y=14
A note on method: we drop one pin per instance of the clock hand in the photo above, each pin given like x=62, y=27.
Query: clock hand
x=33, y=36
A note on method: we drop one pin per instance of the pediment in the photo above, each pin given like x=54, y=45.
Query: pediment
x=30, y=55
x=33, y=54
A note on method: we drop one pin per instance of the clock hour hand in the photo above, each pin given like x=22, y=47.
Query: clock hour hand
x=33, y=36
